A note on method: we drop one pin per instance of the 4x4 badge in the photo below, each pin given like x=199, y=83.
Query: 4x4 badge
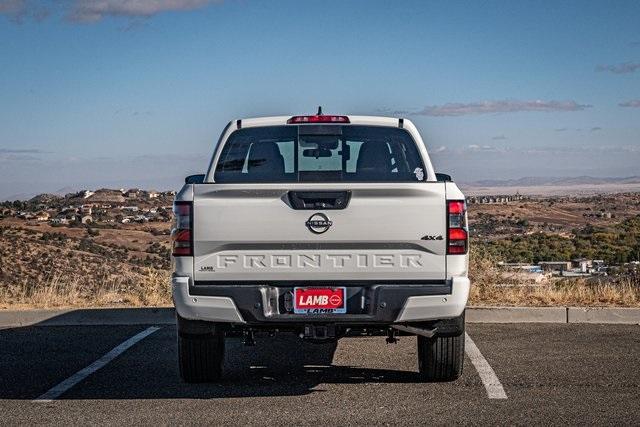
x=318, y=223
x=430, y=237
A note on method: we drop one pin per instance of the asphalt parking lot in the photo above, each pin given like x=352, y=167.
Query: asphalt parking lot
x=558, y=373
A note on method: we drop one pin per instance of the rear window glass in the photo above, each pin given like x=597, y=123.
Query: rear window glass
x=319, y=153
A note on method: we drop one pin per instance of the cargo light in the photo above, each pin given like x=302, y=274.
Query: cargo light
x=181, y=232
x=457, y=234
x=318, y=119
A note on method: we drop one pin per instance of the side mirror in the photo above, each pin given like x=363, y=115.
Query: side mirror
x=443, y=177
x=194, y=179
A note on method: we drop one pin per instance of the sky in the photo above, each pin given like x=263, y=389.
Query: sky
x=124, y=93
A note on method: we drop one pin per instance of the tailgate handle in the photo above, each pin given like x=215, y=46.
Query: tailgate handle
x=319, y=199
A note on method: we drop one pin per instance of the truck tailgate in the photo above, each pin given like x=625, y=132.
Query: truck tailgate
x=251, y=232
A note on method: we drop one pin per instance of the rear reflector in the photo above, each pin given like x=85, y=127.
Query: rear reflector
x=457, y=234
x=318, y=119
x=457, y=250
x=181, y=232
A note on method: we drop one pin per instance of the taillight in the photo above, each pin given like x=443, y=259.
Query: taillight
x=457, y=234
x=181, y=233
x=318, y=119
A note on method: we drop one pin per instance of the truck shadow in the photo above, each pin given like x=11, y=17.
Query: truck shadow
x=279, y=366
x=38, y=357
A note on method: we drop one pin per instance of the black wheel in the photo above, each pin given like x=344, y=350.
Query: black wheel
x=441, y=358
x=200, y=356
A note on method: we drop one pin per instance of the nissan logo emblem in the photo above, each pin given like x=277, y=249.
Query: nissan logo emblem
x=318, y=223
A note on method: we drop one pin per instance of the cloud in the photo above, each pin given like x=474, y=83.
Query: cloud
x=596, y=128
x=634, y=43
x=11, y=6
x=18, y=10
x=476, y=147
x=12, y=155
x=625, y=68
x=561, y=129
x=499, y=137
x=634, y=103
x=96, y=10
x=18, y=158
x=391, y=112
x=505, y=106
x=84, y=11
x=20, y=151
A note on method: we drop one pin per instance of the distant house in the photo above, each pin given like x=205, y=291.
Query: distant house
x=87, y=219
x=87, y=209
x=582, y=264
x=130, y=208
x=153, y=194
x=132, y=192
x=141, y=218
x=555, y=265
x=42, y=216
x=69, y=210
x=494, y=199
x=86, y=194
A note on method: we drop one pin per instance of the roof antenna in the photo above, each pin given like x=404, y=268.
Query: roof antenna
x=319, y=111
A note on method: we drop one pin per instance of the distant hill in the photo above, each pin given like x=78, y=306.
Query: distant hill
x=31, y=195
x=532, y=181
x=66, y=190
x=526, y=185
x=45, y=199
x=100, y=196
x=105, y=195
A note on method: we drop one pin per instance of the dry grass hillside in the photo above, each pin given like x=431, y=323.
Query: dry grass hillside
x=44, y=265
x=53, y=269
x=490, y=287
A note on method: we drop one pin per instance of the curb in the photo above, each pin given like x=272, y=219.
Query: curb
x=619, y=315
x=88, y=317
x=517, y=315
x=166, y=316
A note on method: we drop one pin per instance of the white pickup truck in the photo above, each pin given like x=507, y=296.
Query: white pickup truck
x=325, y=226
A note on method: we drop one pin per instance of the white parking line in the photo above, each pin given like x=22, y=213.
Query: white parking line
x=489, y=379
x=74, y=379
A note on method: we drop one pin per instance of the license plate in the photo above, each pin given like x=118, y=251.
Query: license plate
x=319, y=300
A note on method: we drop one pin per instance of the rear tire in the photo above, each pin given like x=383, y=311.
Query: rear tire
x=441, y=358
x=200, y=357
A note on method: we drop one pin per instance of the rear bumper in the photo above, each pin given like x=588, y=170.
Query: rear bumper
x=368, y=304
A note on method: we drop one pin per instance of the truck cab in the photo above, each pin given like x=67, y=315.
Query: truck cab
x=324, y=226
